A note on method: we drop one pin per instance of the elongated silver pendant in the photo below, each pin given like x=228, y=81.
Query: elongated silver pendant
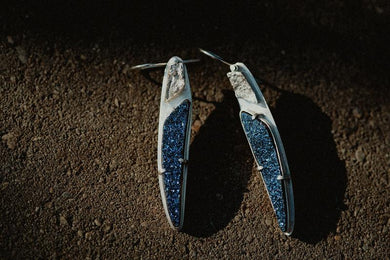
x=265, y=142
x=174, y=131
x=173, y=140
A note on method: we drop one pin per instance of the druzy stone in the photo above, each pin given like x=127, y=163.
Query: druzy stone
x=173, y=145
x=264, y=151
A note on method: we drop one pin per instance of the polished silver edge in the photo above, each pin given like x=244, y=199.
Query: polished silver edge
x=262, y=111
x=166, y=108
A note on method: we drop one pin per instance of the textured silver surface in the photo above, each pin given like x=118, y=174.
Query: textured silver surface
x=176, y=80
x=241, y=87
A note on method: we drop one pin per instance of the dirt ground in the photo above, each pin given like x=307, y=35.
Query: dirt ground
x=78, y=129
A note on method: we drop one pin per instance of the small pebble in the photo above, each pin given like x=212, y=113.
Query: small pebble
x=219, y=96
x=88, y=235
x=359, y=155
x=338, y=229
x=144, y=224
x=268, y=222
x=63, y=221
x=378, y=9
x=113, y=165
x=97, y=222
x=125, y=69
x=356, y=112
x=66, y=195
x=107, y=227
x=337, y=237
x=202, y=117
x=83, y=57
x=10, y=139
x=10, y=39
x=4, y=185
x=196, y=125
x=21, y=54
x=80, y=233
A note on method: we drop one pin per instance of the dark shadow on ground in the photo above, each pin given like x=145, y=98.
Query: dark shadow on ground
x=219, y=168
x=218, y=171
x=319, y=176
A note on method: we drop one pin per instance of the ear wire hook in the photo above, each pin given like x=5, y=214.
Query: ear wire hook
x=260, y=81
x=214, y=56
x=158, y=65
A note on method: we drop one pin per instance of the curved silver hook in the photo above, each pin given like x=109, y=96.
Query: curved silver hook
x=158, y=65
x=214, y=56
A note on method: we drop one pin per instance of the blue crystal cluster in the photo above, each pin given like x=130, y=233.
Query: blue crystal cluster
x=173, y=142
x=265, y=153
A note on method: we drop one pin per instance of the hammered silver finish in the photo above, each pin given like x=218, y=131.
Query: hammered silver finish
x=241, y=87
x=176, y=80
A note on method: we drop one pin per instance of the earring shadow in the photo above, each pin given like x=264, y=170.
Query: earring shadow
x=218, y=171
x=319, y=176
x=146, y=74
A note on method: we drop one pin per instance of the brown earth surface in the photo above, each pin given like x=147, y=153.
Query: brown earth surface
x=79, y=129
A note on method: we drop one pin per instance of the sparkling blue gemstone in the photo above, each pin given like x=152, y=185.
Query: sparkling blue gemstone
x=264, y=151
x=173, y=145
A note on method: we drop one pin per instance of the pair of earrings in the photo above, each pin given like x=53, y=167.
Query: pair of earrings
x=258, y=124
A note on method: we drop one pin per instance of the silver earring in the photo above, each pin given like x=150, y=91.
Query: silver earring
x=174, y=132
x=264, y=140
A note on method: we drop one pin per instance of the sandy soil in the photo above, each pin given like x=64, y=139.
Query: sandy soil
x=79, y=129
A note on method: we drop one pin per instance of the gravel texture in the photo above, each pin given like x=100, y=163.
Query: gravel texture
x=79, y=129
